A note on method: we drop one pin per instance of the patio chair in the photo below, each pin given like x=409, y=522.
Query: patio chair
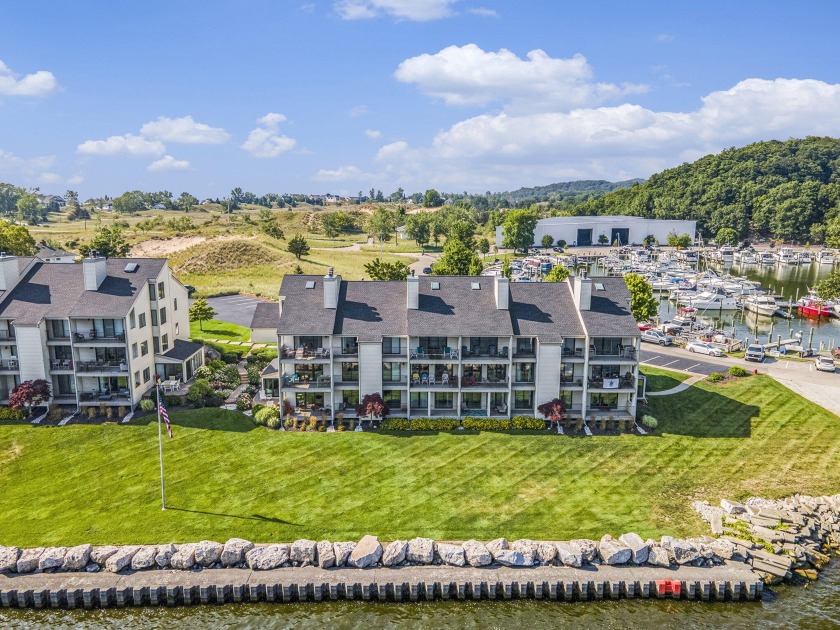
x=502, y=409
x=424, y=378
x=415, y=379
x=295, y=378
x=299, y=353
x=431, y=379
x=444, y=379
x=503, y=353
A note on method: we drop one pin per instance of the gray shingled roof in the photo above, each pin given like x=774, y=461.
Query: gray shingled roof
x=182, y=350
x=372, y=310
x=545, y=310
x=303, y=309
x=57, y=291
x=266, y=315
x=610, y=314
x=457, y=309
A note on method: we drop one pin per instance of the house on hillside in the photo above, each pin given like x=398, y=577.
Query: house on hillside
x=106, y=205
x=53, y=254
x=159, y=206
x=47, y=200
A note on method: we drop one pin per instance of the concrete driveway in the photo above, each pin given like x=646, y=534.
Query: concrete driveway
x=237, y=309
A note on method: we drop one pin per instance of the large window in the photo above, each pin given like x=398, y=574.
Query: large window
x=606, y=371
x=349, y=345
x=603, y=401
x=568, y=373
x=524, y=372
x=391, y=345
x=484, y=346
x=391, y=372
x=471, y=400
x=444, y=400
x=351, y=398
x=525, y=346
x=161, y=290
x=523, y=400
x=154, y=317
x=308, y=371
x=59, y=329
x=350, y=372
x=392, y=398
x=152, y=292
x=433, y=345
x=607, y=345
x=419, y=402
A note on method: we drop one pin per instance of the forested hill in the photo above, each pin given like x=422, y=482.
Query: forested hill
x=567, y=189
x=784, y=190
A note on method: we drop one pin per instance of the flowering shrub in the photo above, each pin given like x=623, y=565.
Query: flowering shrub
x=243, y=402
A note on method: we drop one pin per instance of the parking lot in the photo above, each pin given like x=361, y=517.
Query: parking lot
x=237, y=309
x=674, y=359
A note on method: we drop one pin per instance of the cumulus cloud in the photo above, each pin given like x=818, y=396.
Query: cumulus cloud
x=265, y=141
x=373, y=133
x=75, y=180
x=357, y=111
x=664, y=37
x=415, y=10
x=10, y=162
x=184, y=130
x=51, y=178
x=484, y=12
x=468, y=75
x=128, y=144
x=168, y=163
x=342, y=173
x=40, y=83
x=617, y=142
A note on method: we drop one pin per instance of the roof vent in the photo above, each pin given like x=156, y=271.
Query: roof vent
x=310, y=284
x=131, y=267
x=435, y=286
x=476, y=286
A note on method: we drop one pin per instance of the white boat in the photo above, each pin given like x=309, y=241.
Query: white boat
x=712, y=301
x=825, y=257
x=749, y=258
x=761, y=304
x=768, y=259
x=785, y=255
x=687, y=255
x=804, y=258
x=725, y=253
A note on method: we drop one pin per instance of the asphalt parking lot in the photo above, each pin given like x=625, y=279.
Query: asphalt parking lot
x=237, y=309
x=671, y=359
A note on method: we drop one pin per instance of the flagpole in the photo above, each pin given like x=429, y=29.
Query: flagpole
x=160, y=447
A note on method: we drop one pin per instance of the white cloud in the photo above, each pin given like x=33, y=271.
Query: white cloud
x=51, y=178
x=416, y=10
x=129, y=144
x=342, y=173
x=11, y=162
x=508, y=149
x=357, y=111
x=38, y=83
x=373, y=133
x=168, y=163
x=484, y=12
x=264, y=141
x=468, y=75
x=664, y=37
x=184, y=130
x=308, y=7
x=76, y=179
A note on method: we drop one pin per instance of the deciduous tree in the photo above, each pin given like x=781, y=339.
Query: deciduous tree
x=829, y=288
x=379, y=270
x=29, y=394
x=457, y=260
x=559, y=273
x=642, y=303
x=201, y=311
x=547, y=241
x=518, y=229
x=726, y=236
x=108, y=241
x=16, y=240
x=432, y=199
x=298, y=246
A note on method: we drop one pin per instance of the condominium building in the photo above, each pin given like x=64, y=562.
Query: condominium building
x=454, y=345
x=98, y=331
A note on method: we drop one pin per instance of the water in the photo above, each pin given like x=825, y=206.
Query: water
x=813, y=606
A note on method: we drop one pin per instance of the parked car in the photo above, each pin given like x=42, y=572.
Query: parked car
x=825, y=364
x=190, y=289
x=427, y=270
x=704, y=348
x=754, y=353
x=657, y=336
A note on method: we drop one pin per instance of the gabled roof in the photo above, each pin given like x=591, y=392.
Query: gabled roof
x=456, y=308
x=371, y=310
x=548, y=312
x=609, y=315
x=266, y=315
x=303, y=309
x=182, y=350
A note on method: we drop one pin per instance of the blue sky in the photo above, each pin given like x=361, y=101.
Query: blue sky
x=344, y=95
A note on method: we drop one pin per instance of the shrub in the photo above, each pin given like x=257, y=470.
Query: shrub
x=200, y=393
x=528, y=422
x=91, y=412
x=340, y=428
x=109, y=413
x=229, y=375
x=231, y=357
x=172, y=401
x=55, y=412
x=147, y=404
x=216, y=364
x=274, y=422
x=715, y=377
x=263, y=415
x=487, y=424
x=434, y=424
x=395, y=424
x=650, y=422
x=322, y=428
x=7, y=414
x=737, y=370
x=243, y=402
x=205, y=372
x=253, y=374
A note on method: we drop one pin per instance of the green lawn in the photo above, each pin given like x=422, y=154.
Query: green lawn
x=215, y=329
x=659, y=380
x=226, y=478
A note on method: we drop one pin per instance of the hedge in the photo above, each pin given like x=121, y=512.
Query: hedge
x=487, y=424
x=434, y=424
x=737, y=370
x=528, y=422
x=395, y=424
x=7, y=414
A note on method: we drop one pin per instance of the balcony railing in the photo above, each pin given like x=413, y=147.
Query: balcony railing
x=295, y=381
x=80, y=337
x=102, y=366
x=622, y=352
x=467, y=381
x=9, y=364
x=481, y=353
x=302, y=354
x=434, y=353
x=121, y=395
x=7, y=334
x=623, y=382
x=61, y=364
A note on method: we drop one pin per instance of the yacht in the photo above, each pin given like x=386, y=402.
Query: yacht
x=825, y=257
x=712, y=301
x=762, y=304
x=749, y=258
x=785, y=255
x=804, y=258
x=725, y=254
x=768, y=259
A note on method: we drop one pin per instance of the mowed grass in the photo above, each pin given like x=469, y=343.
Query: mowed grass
x=99, y=484
x=215, y=329
x=658, y=380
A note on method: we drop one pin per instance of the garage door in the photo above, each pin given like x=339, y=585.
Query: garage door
x=584, y=237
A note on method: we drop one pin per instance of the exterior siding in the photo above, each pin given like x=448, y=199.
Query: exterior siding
x=548, y=372
x=32, y=346
x=370, y=368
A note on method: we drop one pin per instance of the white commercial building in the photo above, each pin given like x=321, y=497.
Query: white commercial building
x=586, y=231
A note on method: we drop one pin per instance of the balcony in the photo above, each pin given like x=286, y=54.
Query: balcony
x=613, y=384
x=434, y=354
x=303, y=354
x=468, y=382
x=7, y=335
x=399, y=382
x=61, y=365
x=622, y=353
x=319, y=382
x=93, y=338
x=120, y=396
x=9, y=365
x=571, y=382
x=573, y=355
x=102, y=366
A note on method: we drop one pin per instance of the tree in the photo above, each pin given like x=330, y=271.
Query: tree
x=378, y=270
x=372, y=406
x=726, y=236
x=236, y=197
x=507, y=269
x=72, y=199
x=298, y=270
x=432, y=199
x=108, y=241
x=29, y=210
x=463, y=231
x=397, y=195
x=298, y=246
x=547, y=241
x=829, y=288
x=603, y=239
x=16, y=240
x=518, y=229
x=129, y=203
x=335, y=223
x=457, y=260
x=201, y=311
x=649, y=241
x=553, y=410
x=559, y=273
x=642, y=303
x=29, y=394
x=678, y=240
x=381, y=223
x=186, y=202
x=484, y=246
x=417, y=227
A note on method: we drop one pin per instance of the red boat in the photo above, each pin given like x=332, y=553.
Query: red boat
x=812, y=307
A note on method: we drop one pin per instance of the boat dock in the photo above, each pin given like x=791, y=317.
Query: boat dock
x=732, y=581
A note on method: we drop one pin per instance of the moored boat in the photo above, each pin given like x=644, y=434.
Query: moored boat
x=761, y=304
x=825, y=257
x=811, y=306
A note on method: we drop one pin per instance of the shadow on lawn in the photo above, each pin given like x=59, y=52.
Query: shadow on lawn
x=253, y=517
x=704, y=414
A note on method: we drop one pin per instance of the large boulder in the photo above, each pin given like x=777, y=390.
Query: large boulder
x=614, y=551
x=510, y=558
x=732, y=507
x=304, y=551
x=723, y=549
x=100, y=554
x=28, y=559
x=497, y=545
x=570, y=555
x=234, y=551
x=144, y=558
x=8, y=559
x=546, y=552
x=421, y=551
x=121, y=560
x=164, y=555
x=452, y=555
x=342, y=552
x=208, y=552
x=368, y=552
x=477, y=554
x=326, y=554
x=267, y=558
x=658, y=557
x=588, y=548
x=394, y=553
x=52, y=558
x=682, y=551
x=527, y=548
x=77, y=558
x=638, y=547
x=184, y=558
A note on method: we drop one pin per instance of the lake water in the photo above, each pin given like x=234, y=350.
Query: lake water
x=813, y=606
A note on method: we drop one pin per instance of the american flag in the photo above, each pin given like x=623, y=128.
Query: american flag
x=165, y=415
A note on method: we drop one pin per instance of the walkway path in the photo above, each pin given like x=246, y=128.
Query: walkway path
x=679, y=388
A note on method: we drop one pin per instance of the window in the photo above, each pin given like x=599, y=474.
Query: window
x=134, y=351
x=475, y=286
x=391, y=345
x=156, y=344
x=392, y=398
x=59, y=329
x=177, y=328
x=523, y=400
x=152, y=292
x=154, y=317
x=444, y=400
x=161, y=290
x=163, y=315
x=310, y=284
x=525, y=345
x=165, y=342
x=349, y=372
x=137, y=379
x=524, y=372
x=351, y=398
x=607, y=345
x=603, y=401
x=391, y=372
x=568, y=374
x=349, y=345
x=142, y=320
x=471, y=400
x=419, y=401
x=147, y=375
x=144, y=348
x=131, y=320
x=433, y=345
x=175, y=303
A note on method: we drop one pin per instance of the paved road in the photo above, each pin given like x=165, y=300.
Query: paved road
x=237, y=309
x=677, y=359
